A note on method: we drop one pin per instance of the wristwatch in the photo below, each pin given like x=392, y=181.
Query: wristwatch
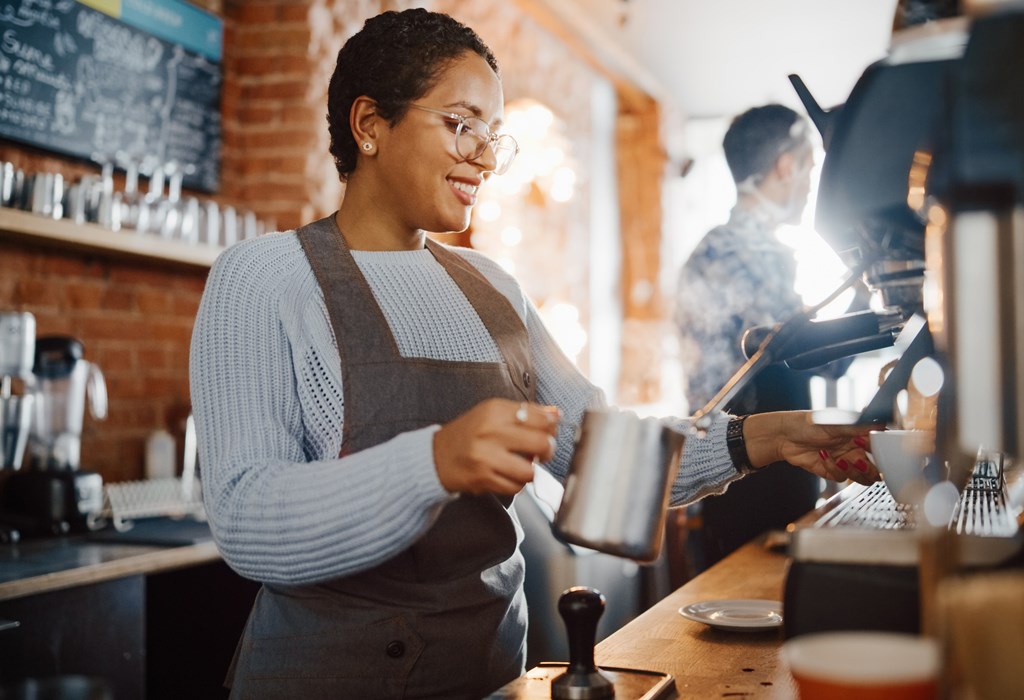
x=737, y=446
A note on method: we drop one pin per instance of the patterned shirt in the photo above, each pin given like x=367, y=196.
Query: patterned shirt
x=740, y=275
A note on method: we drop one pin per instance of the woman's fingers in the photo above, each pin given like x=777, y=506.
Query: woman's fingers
x=834, y=452
x=535, y=417
x=848, y=462
x=491, y=447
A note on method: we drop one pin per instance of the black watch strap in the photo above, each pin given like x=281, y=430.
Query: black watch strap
x=737, y=446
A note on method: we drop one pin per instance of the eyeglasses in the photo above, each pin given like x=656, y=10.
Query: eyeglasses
x=472, y=136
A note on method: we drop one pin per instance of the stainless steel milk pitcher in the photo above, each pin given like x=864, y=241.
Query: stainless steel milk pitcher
x=617, y=490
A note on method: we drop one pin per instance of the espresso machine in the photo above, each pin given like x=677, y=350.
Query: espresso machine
x=921, y=193
x=52, y=494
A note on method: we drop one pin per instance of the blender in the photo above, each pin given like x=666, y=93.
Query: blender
x=63, y=383
x=55, y=494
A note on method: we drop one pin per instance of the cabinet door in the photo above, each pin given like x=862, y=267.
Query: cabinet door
x=194, y=618
x=94, y=630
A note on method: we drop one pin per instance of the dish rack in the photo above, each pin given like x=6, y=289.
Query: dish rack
x=151, y=498
x=131, y=500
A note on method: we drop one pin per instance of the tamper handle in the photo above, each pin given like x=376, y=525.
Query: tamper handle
x=581, y=608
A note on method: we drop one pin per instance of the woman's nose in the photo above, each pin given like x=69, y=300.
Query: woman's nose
x=487, y=159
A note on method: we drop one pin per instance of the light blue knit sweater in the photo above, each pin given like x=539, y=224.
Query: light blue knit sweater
x=268, y=401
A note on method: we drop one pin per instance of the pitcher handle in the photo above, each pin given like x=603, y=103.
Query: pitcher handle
x=96, y=389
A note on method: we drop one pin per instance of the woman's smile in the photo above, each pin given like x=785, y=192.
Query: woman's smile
x=464, y=190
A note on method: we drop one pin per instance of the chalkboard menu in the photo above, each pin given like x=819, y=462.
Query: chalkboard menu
x=136, y=79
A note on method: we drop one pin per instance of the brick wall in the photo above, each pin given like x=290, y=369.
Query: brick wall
x=134, y=320
x=135, y=317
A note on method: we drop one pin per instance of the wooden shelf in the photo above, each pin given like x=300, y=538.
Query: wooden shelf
x=91, y=237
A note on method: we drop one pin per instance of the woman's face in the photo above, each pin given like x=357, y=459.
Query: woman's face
x=428, y=184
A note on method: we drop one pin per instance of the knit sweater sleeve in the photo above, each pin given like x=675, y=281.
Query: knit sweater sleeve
x=283, y=509
x=706, y=467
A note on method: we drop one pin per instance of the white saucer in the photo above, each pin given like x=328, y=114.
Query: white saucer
x=736, y=615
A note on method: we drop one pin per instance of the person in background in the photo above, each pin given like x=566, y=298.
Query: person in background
x=741, y=275
x=368, y=401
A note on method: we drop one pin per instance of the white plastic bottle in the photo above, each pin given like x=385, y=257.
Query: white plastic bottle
x=160, y=455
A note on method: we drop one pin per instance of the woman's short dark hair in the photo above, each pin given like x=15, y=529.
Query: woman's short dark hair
x=394, y=59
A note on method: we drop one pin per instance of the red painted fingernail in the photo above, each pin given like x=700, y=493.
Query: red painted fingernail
x=841, y=463
x=860, y=442
x=823, y=454
x=861, y=465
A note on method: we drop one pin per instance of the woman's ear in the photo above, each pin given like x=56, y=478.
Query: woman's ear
x=365, y=123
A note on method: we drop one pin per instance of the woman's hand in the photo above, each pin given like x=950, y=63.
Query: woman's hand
x=491, y=447
x=835, y=452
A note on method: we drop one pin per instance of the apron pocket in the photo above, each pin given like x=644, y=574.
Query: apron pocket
x=347, y=659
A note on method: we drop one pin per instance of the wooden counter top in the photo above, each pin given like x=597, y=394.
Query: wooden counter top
x=708, y=663
x=49, y=565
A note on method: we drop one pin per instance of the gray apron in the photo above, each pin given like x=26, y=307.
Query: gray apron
x=438, y=620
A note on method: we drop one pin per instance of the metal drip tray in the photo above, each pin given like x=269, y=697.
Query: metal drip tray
x=873, y=508
x=864, y=524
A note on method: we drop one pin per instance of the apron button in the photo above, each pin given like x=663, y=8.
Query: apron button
x=395, y=649
x=526, y=379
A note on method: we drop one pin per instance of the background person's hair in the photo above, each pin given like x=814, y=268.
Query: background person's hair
x=394, y=59
x=757, y=137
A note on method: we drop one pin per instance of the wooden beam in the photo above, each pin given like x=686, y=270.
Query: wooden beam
x=571, y=24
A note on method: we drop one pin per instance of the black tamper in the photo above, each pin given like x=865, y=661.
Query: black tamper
x=581, y=608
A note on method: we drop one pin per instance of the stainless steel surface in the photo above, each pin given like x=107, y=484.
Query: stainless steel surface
x=12, y=185
x=863, y=524
x=978, y=323
x=17, y=343
x=900, y=283
x=616, y=493
x=15, y=423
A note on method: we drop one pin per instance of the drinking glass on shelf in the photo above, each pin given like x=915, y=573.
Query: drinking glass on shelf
x=108, y=211
x=46, y=195
x=76, y=199
x=209, y=223
x=134, y=214
x=154, y=201
x=12, y=184
x=170, y=223
x=229, y=226
x=180, y=220
x=249, y=224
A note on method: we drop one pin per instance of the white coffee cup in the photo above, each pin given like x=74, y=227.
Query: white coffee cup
x=901, y=456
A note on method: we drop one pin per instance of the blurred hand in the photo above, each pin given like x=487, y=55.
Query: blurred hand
x=491, y=447
x=835, y=452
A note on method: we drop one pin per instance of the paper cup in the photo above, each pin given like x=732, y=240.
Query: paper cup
x=863, y=666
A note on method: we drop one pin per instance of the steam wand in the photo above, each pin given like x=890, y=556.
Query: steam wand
x=778, y=337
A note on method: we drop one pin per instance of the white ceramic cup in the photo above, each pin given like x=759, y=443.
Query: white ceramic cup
x=901, y=456
x=857, y=665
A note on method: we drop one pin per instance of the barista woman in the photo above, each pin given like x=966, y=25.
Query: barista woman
x=368, y=401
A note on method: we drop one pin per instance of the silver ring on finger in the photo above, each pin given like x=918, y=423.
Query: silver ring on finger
x=522, y=413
